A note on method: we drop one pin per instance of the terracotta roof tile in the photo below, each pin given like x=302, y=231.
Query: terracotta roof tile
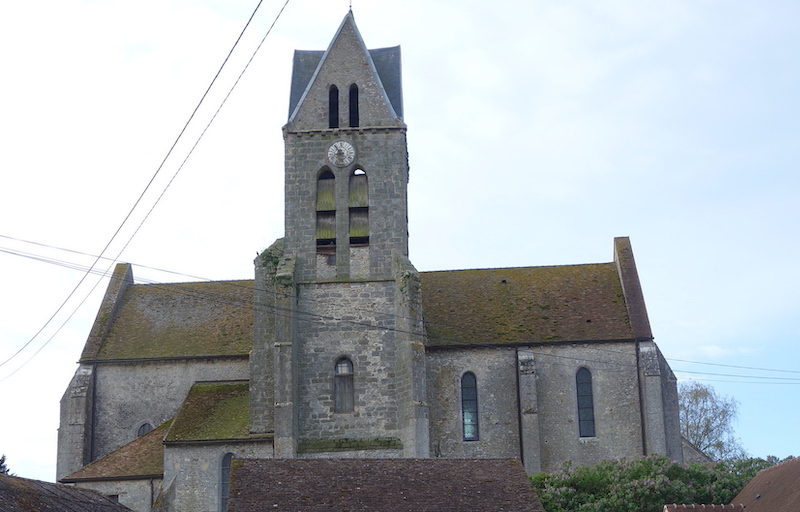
x=774, y=489
x=141, y=458
x=388, y=485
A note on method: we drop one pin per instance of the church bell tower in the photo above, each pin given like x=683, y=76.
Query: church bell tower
x=346, y=160
x=338, y=368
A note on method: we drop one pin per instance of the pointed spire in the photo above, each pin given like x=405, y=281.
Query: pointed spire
x=347, y=61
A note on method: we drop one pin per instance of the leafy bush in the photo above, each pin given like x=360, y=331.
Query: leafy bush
x=642, y=485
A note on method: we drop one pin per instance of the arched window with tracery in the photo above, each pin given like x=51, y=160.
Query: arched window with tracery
x=583, y=380
x=333, y=107
x=326, y=209
x=358, y=203
x=353, y=103
x=469, y=406
x=343, y=394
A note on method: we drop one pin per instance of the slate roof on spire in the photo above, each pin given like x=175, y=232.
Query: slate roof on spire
x=384, y=61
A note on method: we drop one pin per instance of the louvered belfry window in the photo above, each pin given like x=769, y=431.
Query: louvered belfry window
x=326, y=210
x=359, y=208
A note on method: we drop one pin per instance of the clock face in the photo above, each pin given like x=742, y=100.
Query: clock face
x=341, y=153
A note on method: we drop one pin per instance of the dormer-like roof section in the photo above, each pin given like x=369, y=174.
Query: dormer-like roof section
x=346, y=61
x=214, y=411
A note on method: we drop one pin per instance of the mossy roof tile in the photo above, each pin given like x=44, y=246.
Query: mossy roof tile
x=461, y=307
x=181, y=320
x=524, y=305
x=213, y=411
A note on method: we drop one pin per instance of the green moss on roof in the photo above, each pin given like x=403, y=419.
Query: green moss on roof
x=181, y=320
x=142, y=457
x=213, y=411
x=524, y=305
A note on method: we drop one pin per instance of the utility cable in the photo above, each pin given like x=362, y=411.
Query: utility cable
x=230, y=300
x=141, y=196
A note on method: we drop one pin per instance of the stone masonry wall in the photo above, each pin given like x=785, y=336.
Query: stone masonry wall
x=353, y=320
x=498, y=420
x=192, y=473
x=617, y=412
x=137, y=495
x=128, y=394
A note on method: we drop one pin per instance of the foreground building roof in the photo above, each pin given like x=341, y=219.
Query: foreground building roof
x=24, y=495
x=388, y=485
x=774, y=489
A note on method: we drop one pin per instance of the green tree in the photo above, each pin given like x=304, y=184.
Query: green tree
x=707, y=421
x=642, y=485
x=3, y=467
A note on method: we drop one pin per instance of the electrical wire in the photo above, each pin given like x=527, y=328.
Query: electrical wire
x=308, y=314
x=147, y=187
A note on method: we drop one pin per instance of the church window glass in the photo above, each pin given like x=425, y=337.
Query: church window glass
x=583, y=380
x=353, y=106
x=359, y=208
x=225, y=481
x=469, y=406
x=333, y=107
x=343, y=386
x=143, y=429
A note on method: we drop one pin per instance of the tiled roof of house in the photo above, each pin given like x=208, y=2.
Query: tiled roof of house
x=774, y=489
x=179, y=320
x=213, y=411
x=388, y=485
x=141, y=458
x=23, y=495
x=524, y=305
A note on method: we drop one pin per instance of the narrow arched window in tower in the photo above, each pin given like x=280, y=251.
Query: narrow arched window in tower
x=225, y=482
x=326, y=210
x=583, y=379
x=469, y=406
x=333, y=107
x=343, y=386
x=358, y=203
x=353, y=106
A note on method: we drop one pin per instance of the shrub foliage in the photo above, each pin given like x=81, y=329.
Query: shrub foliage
x=642, y=485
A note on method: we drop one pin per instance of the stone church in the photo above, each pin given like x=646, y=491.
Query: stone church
x=340, y=348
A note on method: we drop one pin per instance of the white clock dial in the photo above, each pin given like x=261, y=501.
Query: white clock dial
x=341, y=153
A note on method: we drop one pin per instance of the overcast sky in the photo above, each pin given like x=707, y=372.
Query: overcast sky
x=538, y=131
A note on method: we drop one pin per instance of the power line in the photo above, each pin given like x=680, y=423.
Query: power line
x=141, y=196
x=457, y=343
x=735, y=366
